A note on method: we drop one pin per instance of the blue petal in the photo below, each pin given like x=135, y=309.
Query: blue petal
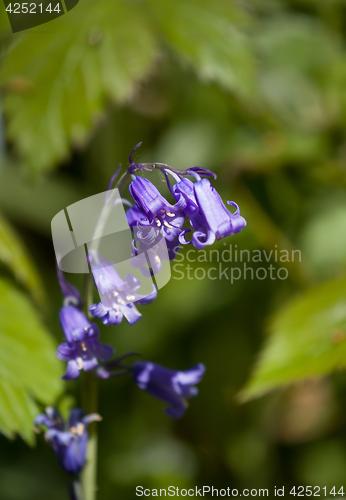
x=51, y=434
x=73, y=322
x=65, y=352
x=74, y=457
x=75, y=417
x=178, y=410
x=112, y=317
x=72, y=370
x=43, y=419
x=168, y=385
x=106, y=278
x=92, y=417
x=89, y=364
x=131, y=313
x=147, y=197
x=103, y=352
x=183, y=380
x=63, y=437
x=98, y=310
x=200, y=240
x=134, y=216
x=217, y=217
x=68, y=290
x=148, y=299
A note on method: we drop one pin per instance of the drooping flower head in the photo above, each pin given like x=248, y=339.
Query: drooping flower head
x=198, y=201
x=149, y=247
x=69, y=442
x=82, y=349
x=206, y=212
x=153, y=210
x=158, y=213
x=171, y=386
x=118, y=297
x=218, y=218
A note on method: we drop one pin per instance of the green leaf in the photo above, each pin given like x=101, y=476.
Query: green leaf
x=29, y=370
x=308, y=338
x=326, y=255
x=207, y=36
x=297, y=54
x=14, y=255
x=298, y=42
x=53, y=97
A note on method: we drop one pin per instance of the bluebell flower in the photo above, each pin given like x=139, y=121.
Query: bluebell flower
x=171, y=386
x=148, y=237
x=199, y=201
x=206, y=211
x=158, y=213
x=118, y=296
x=82, y=349
x=70, y=441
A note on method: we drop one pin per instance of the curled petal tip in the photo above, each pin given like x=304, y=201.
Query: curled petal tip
x=134, y=149
x=202, y=171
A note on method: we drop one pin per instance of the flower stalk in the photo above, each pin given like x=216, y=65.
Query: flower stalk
x=90, y=382
x=90, y=403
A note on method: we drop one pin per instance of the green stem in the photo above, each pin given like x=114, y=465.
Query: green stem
x=75, y=490
x=105, y=212
x=90, y=405
x=90, y=386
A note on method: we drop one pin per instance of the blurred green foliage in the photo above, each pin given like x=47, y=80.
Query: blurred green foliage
x=27, y=366
x=15, y=257
x=255, y=90
x=307, y=339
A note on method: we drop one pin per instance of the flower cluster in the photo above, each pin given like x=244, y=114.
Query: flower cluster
x=197, y=202
x=159, y=227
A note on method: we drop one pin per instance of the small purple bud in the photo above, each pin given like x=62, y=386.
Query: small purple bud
x=70, y=292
